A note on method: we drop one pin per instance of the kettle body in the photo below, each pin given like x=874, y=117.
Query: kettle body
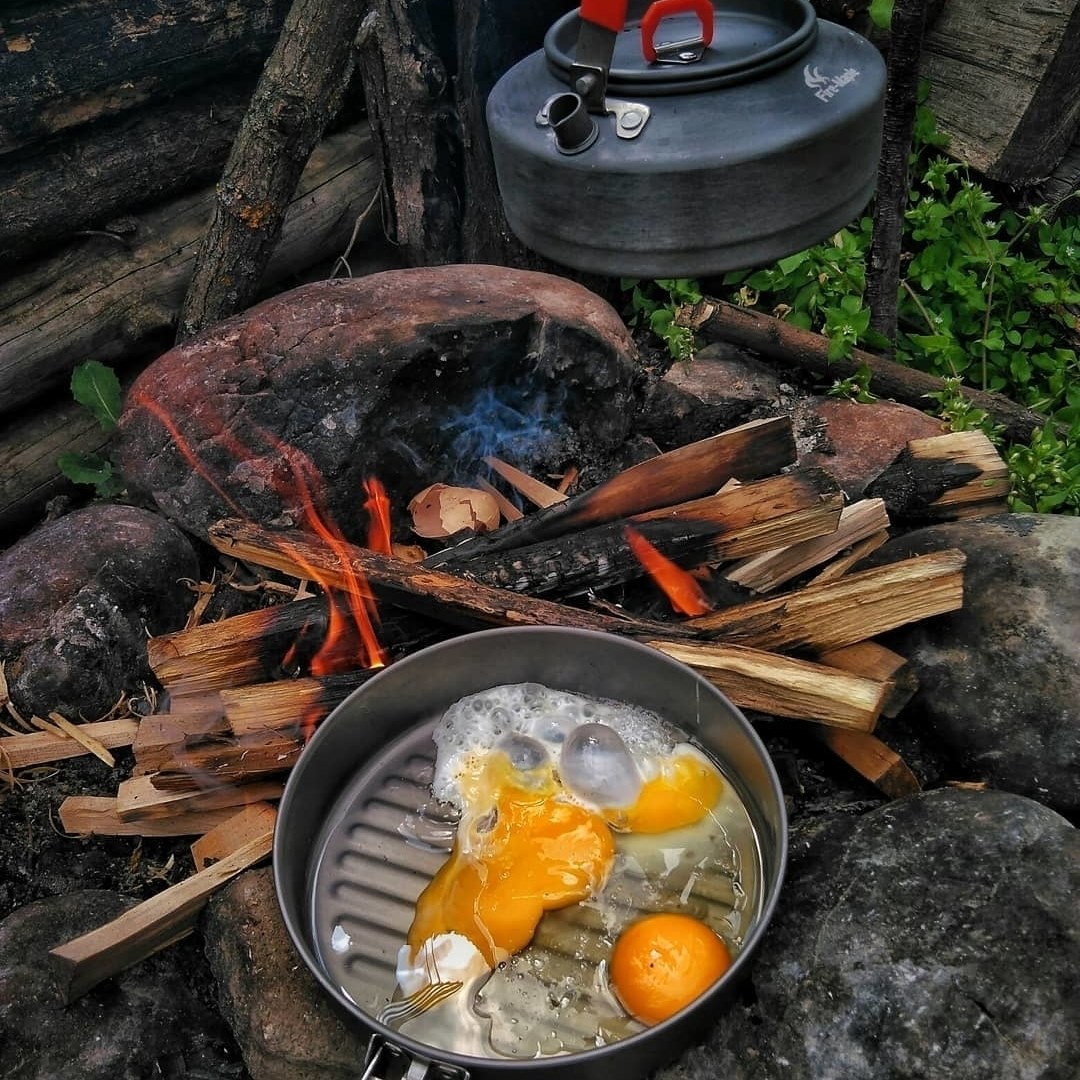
x=766, y=144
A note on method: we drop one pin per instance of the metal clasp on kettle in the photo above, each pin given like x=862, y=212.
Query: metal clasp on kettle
x=685, y=51
x=402, y=1065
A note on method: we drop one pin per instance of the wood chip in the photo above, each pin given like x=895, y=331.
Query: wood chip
x=536, y=491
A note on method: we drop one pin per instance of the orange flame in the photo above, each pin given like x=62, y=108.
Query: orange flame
x=350, y=634
x=679, y=585
x=377, y=505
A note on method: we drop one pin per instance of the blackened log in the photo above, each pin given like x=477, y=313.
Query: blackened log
x=87, y=177
x=742, y=521
x=71, y=63
x=299, y=92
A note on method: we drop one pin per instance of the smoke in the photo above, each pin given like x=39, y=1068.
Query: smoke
x=513, y=423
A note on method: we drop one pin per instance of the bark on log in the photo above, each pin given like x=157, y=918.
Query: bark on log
x=1005, y=84
x=883, y=258
x=717, y=320
x=117, y=167
x=102, y=300
x=298, y=94
x=405, y=86
x=70, y=63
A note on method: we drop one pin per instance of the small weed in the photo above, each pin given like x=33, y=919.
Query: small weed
x=95, y=387
x=654, y=304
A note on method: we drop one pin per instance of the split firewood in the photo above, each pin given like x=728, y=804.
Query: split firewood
x=148, y=927
x=872, y=759
x=162, y=734
x=292, y=705
x=752, y=517
x=944, y=478
x=138, y=800
x=852, y=557
x=268, y=644
x=783, y=686
x=717, y=320
x=537, y=492
x=219, y=761
x=234, y=832
x=749, y=452
x=96, y=815
x=36, y=748
x=415, y=586
x=859, y=606
x=770, y=569
x=874, y=661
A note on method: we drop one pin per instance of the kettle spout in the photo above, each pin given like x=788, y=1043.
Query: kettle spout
x=575, y=130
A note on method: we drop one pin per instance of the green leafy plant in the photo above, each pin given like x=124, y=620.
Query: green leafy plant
x=654, y=304
x=988, y=297
x=95, y=387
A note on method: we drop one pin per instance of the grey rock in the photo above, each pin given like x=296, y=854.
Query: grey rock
x=1000, y=678
x=287, y=1026
x=141, y=1023
x=78, y=598
x=937, y=937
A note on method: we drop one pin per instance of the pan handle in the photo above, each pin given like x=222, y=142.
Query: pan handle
x=385, y=1061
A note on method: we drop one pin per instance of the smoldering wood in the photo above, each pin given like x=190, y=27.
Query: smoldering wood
x=748, y=452
x=413, y=586
x=299, y=92
x=749, y=518
x=1005, y=84
x=944, y=478
x=717, y=320
x=86, y=178
x=68, y=64
x=117, y=302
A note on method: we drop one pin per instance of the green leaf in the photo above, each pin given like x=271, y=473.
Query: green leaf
x=881, y=13
x=90, y=469
x=96, y=387
x=793, y=262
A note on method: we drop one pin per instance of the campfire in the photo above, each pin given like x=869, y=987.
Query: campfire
x=753, y=557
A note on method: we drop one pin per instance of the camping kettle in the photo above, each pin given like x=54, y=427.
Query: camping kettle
x=684, y=138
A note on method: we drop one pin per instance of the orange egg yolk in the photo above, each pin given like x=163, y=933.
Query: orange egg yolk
x=539, y=853
x=662, y=963
x=684, y=792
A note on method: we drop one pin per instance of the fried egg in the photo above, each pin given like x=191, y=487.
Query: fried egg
x=547, y=784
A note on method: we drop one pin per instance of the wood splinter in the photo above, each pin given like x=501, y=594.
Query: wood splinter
x=148, y=927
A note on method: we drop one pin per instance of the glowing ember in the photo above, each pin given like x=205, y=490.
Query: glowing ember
x=679, y=585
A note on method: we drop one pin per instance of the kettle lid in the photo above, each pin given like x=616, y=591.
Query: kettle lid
x=745, y=40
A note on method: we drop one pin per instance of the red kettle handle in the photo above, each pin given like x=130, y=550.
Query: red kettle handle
x=661, y=9
x=610, y=14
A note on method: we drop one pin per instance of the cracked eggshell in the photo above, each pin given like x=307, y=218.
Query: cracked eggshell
x=441, y=510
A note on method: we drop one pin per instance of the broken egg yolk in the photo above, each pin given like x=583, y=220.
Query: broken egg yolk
x=661, y=963
x=527, y=853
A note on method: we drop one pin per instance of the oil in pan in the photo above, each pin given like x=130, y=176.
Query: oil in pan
x=553, y=997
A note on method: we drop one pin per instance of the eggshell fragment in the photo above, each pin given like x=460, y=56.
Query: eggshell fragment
x=441, y=510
